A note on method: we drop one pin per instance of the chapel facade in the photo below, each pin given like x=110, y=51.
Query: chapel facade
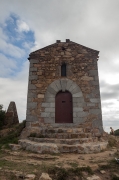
x=63, y=88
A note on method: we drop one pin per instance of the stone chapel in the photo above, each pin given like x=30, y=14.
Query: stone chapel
x=63, y=88
x=63, y=103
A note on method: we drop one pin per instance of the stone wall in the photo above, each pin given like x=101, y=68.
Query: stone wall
x=82, y=81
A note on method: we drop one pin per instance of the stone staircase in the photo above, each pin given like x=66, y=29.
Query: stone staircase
x=63, y=140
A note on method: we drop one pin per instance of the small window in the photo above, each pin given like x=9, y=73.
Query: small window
x=63, y=70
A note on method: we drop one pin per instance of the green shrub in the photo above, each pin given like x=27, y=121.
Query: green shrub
x=115, y=178
x=13, y=135
x=60, y=173
x=112, y=141
x=33, y=134
x=116, y=132
x=2, y=116
x=63, y=174
x=78, y=171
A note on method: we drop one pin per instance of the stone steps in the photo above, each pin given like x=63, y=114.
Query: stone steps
x=64, y=141
x=91, y=147
x=61, y=130
x=64, y=135
x=39, y=147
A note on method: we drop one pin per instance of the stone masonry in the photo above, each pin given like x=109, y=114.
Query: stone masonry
x=11, y=114
x=81, y=80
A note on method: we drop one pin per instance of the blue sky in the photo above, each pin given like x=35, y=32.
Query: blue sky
x=28, y=25
x=19, y=37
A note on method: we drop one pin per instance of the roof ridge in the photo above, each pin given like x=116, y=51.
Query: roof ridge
x=51, y=45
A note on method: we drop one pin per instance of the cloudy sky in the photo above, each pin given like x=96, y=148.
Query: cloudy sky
x=27, y=25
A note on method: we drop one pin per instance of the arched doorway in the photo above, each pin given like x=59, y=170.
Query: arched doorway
x=63, y=107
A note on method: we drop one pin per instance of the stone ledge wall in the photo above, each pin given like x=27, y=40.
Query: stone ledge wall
x=45, y=69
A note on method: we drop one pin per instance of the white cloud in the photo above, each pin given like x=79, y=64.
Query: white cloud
x=2, y=35
x=7, y=65
x=11, y=50
x=15, y=89
x=7, y=48
x=22, y=26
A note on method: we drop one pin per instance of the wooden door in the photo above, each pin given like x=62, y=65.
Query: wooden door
x=63, y=107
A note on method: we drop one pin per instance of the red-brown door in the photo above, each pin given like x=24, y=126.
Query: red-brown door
x=63, y=107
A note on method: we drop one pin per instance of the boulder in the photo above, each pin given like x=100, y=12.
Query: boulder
x=45, y=176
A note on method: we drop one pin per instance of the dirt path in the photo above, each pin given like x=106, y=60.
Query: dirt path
x=27, y=162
